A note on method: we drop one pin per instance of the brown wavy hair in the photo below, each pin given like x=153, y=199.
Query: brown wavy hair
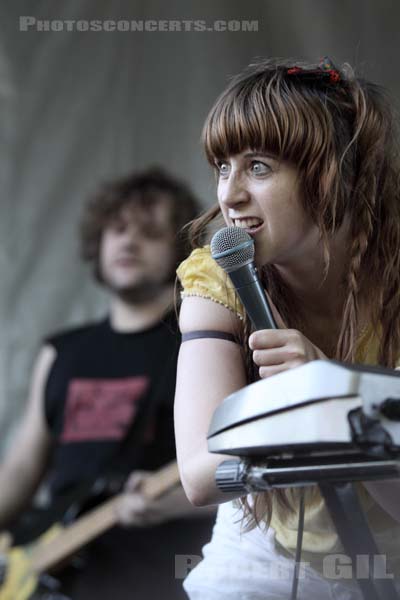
x=342, y=137
x=144, y=188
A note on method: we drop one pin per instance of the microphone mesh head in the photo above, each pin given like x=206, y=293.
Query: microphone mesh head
x=236, y=245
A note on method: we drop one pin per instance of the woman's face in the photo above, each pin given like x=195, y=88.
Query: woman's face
x=262, y=195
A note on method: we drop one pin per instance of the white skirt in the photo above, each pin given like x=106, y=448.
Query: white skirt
x=247, y=566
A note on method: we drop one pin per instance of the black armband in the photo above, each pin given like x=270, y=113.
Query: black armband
x=205, y=333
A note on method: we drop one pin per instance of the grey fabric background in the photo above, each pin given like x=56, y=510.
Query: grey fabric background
x=81, y=107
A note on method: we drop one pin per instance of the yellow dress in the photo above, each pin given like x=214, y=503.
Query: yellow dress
x=200, y=276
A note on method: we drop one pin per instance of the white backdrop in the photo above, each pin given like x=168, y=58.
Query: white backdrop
x=81, y=107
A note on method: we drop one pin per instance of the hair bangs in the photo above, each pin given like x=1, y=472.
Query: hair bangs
x=269, y=114
x=239, y=121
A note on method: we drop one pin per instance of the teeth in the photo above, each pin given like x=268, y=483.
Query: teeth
x=247, y=223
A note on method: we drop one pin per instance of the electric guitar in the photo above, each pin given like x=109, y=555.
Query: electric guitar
x=22, y=566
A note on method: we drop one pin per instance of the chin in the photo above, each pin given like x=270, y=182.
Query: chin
x=265, y=255
x=137, y=292
x=129, y=284
x=127, y=287
x=261, y=260
x=124, y=277
x=124, y=285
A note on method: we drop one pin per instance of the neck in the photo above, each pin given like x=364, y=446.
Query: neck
x=134, y=316
x=319, y=298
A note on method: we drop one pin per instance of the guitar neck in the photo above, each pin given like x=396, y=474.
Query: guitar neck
x=46, y=554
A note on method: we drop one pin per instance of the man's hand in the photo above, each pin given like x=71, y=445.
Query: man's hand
x=276, y=350
x=134, y=508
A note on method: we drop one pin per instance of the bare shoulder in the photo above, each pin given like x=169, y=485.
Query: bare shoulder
x=34, y=413
x=44, y=359
x=202, y=313
x=41, y=369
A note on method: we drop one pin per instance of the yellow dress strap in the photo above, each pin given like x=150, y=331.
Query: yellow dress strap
x=200, y=276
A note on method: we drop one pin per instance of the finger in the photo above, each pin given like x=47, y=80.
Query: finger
x=130, y=509
x=290, y=354
x=133, y=503
x=135, y=480
x=132, y=519
x=266, y=358
x=137, y=501
x=266, y=372
x=271, y=338
x=134, y=511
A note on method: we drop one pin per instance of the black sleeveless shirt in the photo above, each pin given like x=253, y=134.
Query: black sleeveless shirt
x=100, y=387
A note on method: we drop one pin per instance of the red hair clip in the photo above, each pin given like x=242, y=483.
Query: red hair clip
x=325, y=71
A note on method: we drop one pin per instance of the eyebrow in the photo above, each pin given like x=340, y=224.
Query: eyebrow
x=254, y=154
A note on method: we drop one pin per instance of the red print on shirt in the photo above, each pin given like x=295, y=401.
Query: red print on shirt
x=101, y=409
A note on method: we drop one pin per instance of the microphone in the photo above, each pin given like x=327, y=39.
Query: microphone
x=233, y=250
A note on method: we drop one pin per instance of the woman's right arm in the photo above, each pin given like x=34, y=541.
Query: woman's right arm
x=208, y=371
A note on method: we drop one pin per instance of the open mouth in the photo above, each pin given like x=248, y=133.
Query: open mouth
x=250, y=224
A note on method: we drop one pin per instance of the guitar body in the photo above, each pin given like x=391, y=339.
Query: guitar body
x=23, y=565
x=19, y=580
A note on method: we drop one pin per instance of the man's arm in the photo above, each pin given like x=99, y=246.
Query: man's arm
x=134, y=508
x=25, y=462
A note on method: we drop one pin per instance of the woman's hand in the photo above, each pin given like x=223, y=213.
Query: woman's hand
x=276, y=350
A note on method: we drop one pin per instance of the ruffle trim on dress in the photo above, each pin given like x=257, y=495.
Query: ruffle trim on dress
x=199, y=295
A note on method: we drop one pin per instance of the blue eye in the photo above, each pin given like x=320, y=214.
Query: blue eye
x=223, y=168
x=259, y=168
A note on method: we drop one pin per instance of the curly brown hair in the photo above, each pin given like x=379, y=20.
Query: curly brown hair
x=342, y=136
x=144, y=188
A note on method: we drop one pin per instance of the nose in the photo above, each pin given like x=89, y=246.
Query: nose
x=232, y=191
x=132, y=235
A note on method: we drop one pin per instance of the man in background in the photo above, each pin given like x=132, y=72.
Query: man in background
x=101, y=398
